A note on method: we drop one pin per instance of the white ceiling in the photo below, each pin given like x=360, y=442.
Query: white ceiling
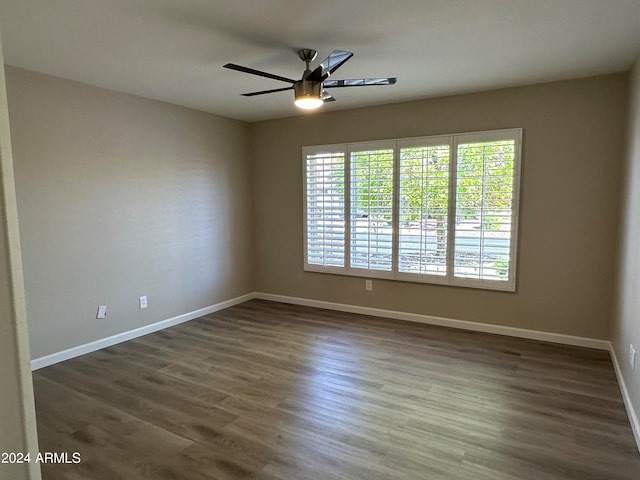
x=173, y=50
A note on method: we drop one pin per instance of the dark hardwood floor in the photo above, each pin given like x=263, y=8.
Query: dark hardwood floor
x=272, y=391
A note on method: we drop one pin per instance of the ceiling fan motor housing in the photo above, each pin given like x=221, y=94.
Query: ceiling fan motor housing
x=307, y=88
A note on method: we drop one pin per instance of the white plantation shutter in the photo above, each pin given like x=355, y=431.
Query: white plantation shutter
x=325, y=208
x=371, y=203
x=424, y=197
x=485, y=213
x=441, y=209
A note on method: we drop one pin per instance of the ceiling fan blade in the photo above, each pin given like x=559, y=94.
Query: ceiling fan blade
x=358, y=82
x=327, y=97
x=262, y=92
x=335, y=60
x=240, y=68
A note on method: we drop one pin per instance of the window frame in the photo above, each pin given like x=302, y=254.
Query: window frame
x=453, y=141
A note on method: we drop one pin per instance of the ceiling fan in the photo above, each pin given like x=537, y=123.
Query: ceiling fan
x=310, y=90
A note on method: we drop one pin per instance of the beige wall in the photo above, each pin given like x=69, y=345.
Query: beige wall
x=626, y=324
x=121, y=196
x=17, y=413
x=572, y=150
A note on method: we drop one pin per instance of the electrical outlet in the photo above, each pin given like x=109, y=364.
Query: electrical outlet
x=368, y=285
x=143, y=302
x=102, y=311
x=632, y=357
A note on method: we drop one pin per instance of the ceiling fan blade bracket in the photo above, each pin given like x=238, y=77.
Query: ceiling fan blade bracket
x=317, y=75
x=328, y=98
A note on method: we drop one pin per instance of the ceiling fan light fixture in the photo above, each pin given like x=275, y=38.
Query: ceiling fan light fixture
x=308, y=94
x=308, y=102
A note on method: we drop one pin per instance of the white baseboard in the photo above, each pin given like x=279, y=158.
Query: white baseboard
x=343, y=307
x=444, y=322
x=631, y=413
x=138, y=332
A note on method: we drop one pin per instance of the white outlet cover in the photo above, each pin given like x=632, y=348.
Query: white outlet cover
x=632, y=357
x=102, y=311
x=143, y=301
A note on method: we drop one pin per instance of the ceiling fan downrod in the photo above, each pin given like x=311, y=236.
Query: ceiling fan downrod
x=307, y=55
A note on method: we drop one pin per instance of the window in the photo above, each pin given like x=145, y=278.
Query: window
x=424, y=208
x=325, y=212
x=371, y=218
x=433, y=209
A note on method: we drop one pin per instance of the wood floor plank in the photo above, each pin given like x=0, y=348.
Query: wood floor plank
x=269, y=391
